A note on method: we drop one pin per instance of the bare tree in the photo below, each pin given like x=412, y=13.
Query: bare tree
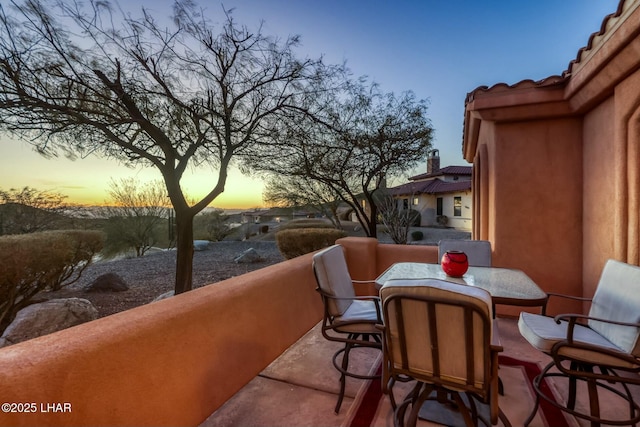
x=397, y=221
x=214, y=224
x=81, y=78
x=29, y=210
x=362, y=137
x=135, y=212
x=303, y=193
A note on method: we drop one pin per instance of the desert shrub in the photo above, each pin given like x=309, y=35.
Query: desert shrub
x=38, y=261
x=212, y=225
x=84, y=246
x=414, y=218
x=397, y=221
x=126, y=233
x=417, y=235
x=296, y=242
x=306, y=223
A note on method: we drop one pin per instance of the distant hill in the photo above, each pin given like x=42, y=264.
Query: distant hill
x=16, y=218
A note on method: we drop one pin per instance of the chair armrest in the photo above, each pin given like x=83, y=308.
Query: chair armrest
x=363, y=281
x=570, y=343
x=553, y=294
x=496, y=343
x=374, y=298
x=376, y=285
x=572, y=318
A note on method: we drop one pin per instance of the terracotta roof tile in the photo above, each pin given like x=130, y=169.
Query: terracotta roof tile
x=556, y=79
x=597, y=35
x=435, y=186
x=523, y=84
x=448, y=170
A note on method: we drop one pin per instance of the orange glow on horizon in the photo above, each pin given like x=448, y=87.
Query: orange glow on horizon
x=86, y=182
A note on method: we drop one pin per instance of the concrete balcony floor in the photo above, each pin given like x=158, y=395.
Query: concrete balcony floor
x=300, y=387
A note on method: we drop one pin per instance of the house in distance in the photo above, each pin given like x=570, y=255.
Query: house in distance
x=441, y=195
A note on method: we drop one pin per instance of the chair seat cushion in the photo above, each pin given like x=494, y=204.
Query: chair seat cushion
x=543, y=332
x=361, y=316
x=617, y=298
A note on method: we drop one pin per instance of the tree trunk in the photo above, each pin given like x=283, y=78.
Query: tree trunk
x=334, y=213
x=372, y=220
x=184, y=251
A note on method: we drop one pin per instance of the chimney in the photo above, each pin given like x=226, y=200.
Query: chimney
x=433, y=161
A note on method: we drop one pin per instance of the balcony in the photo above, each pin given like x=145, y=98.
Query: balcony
x=300, y=388
x=243, y=351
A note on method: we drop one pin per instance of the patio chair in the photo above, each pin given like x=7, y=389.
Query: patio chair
x=442, y=335
x=478, y=251
x=478, y=254
x=348, y=318
x=596, y=349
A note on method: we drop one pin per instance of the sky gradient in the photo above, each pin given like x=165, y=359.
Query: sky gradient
x=440, y=50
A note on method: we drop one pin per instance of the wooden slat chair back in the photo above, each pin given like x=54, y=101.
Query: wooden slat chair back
x=440, y=334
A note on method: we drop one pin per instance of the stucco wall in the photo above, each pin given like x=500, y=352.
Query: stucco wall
x=367, y=258
x=557, y=163
x=427, y=206
x=536, y=200
x=171, y=362
x=538, y=191
x=175, y=361
x=464, y=221
x=599, y=213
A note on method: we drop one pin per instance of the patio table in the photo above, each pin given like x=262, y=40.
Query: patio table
x=506, y=286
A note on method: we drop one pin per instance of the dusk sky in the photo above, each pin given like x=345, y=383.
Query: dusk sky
x=440, y=50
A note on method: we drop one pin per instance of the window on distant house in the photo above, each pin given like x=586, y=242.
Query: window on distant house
x=405, y=204
x=439, y=206
x=457, y=206
x=416, y=200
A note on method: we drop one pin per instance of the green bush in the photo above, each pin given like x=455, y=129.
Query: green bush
x=414, y=218
x=35, y=262
x=212, y=225
x=296, y=242
x=305, y=223
x=442, y=220
x=137, y=233
x=84, y=246
x=417, y=235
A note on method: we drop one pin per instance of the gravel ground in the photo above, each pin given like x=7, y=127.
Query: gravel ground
x=154, y=274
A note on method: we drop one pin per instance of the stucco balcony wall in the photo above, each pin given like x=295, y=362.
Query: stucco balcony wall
x=175, y=361
x=171, y=362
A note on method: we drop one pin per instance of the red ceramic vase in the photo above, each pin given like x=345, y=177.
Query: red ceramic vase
x=454, y=263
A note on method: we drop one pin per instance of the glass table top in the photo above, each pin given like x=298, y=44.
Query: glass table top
x=506, y=286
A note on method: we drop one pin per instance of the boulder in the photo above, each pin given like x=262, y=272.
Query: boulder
x=164, y=296
x=50, y=316
x=200, y=245
x=109, y=282
x=248, y=257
